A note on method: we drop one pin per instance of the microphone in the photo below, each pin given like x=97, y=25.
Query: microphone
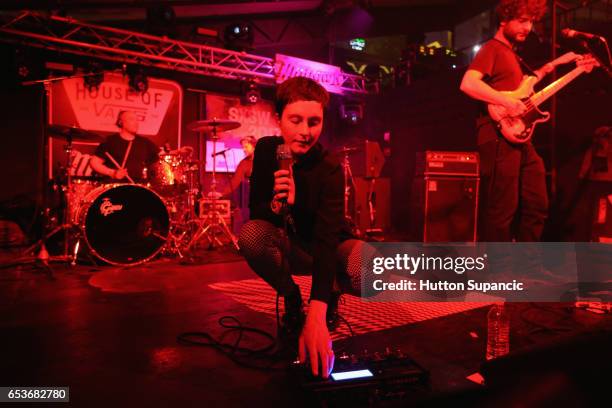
x=285, y=160
x=221, y=152
x=569, y=33
x=284, y=157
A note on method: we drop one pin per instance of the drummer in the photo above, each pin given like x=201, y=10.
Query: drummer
x=125, y=156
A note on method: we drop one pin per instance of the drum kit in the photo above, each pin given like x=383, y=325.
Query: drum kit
x=131, y=223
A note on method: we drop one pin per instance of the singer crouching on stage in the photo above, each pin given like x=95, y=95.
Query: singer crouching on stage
x=303, y=196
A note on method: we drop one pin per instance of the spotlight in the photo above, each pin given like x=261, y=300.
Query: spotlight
x=251, y=94
x=27, y=65
x=238, y=36
x=94, y=75
x=352, y=112
x=137, y=79
x=476, y=48
x=23, y=71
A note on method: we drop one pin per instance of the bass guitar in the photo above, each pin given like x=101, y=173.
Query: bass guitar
x=519, y=129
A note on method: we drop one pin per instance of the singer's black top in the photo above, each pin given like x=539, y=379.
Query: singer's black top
x=318, y=209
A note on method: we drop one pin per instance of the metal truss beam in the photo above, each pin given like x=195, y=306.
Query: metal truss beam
x=76, y=37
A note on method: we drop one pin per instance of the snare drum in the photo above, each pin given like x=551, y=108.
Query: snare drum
x=124, y=224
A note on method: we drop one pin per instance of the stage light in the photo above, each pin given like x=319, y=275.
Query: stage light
x=27, y=65
x=358, y=44
x=250, y=94
x=238, y=36
x=351, y=112
x=476, y=48
x=137, y=79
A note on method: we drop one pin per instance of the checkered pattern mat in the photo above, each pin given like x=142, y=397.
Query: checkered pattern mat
x=363, y=316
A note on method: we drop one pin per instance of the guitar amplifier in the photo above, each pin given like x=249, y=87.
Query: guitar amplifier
x=444, y=209
x=437, y=163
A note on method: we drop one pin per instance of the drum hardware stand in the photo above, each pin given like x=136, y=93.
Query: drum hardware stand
x=181, y=225
x=67, y=224
x=349, y=182
x=173, y=243
x=213, y=222
x=372, y=231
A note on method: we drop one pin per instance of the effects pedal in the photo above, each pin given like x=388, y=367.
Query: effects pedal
x=365, y=377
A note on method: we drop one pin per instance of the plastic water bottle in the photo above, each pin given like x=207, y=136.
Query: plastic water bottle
x=498, y=331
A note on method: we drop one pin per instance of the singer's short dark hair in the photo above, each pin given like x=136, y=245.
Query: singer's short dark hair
x=300, y=89
x=510, y=9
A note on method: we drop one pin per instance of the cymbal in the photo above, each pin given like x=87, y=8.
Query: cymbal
x=182, y=151
x=74, y=132
x=220, y=125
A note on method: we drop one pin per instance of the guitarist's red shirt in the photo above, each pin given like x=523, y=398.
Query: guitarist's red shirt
x=499, y=65
x=502, y=71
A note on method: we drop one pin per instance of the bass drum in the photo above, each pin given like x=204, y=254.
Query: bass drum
x=124, y=224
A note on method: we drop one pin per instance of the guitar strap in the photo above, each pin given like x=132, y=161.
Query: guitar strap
x=521, y=61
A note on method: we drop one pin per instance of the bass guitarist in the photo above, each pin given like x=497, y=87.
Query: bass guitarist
x=513, y=175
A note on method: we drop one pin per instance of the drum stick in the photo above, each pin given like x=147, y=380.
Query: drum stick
x=110, y=156
x=127, y=153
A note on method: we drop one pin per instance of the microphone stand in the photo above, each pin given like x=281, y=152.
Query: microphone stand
x=227, y=172
x=604, y=66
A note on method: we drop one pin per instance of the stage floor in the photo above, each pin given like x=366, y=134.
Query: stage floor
x=110, y=333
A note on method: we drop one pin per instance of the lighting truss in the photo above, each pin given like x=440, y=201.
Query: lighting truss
x=76, y=37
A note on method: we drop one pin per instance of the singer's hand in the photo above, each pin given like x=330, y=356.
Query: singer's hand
x=315, y=342
x=284, y=187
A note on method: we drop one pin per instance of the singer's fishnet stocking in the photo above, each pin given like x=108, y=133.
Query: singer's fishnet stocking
x=261, y=242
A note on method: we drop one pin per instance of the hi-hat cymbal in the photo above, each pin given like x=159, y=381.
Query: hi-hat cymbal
x=182, y=151
x=74, y=133
x=220, y=125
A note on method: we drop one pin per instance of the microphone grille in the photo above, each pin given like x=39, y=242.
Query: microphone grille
x=283, y=152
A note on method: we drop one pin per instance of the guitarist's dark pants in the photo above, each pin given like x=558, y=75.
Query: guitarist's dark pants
x=514, y=203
